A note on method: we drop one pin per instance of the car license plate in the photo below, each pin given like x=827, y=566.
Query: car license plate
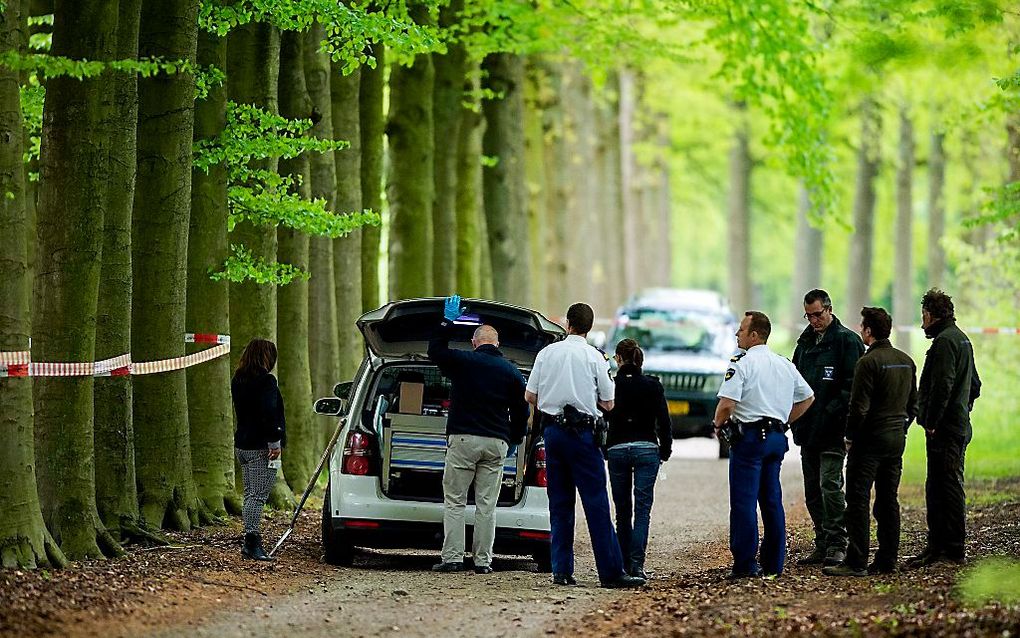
x=679, y=408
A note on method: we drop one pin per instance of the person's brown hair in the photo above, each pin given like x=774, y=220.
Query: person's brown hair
x=759, y=323
x=630, y=352
x=938, y=304
x=580, y=317
x=259, y=357
x=877, y=320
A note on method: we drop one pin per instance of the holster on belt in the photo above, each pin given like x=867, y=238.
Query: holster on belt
x=760, y=428
x=574, y=419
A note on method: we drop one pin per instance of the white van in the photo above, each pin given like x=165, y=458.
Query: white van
x=385, y=473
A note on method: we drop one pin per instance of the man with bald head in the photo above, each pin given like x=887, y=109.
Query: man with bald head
x=488, y=414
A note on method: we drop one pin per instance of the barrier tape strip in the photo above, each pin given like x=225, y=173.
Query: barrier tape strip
x=19, y=364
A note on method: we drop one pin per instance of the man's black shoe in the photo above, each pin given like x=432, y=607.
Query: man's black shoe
x=739, y=575
x=639, y=573
x=817, y=557
x=448, y=567
x=924, y=559
x=563, y=579
x=834, y=556
x=957, y=559
x=881, y=568
x=844, y=570
x=482, y=569
x=623, y=581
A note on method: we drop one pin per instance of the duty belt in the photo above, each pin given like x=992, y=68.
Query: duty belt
x=763, y=426
x=582, y=422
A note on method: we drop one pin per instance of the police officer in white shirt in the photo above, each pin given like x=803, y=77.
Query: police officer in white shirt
x=568, y=383
x=761, y=395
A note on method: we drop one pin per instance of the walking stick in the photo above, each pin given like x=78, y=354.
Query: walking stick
x=311, y=485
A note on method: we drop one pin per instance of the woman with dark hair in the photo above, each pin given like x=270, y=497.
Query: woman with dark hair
x=639, y=439
x=260, y=435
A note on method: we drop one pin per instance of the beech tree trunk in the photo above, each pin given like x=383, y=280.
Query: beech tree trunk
x=323, y=334
x=557, y=157
x=538, y=213
x=470, y=236
x=936, y=209
x=861, y=242
x=628, y=172
x=611, y=196
x=739, y=218
x=74, y=168
x=210, y=412
x=162, y=207
x=903, y=303
x=24, y=541
x=373, y=149
x=807, y=259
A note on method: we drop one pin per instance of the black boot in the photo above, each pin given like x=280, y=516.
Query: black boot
x=253, y=547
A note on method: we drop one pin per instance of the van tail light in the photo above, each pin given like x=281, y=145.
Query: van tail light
x=358, y=454
x=537, y=476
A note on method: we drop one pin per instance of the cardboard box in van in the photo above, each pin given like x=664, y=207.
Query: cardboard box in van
x=410, y=400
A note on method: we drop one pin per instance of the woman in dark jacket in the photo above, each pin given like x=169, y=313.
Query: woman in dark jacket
x=260, y=435
x=639, y=439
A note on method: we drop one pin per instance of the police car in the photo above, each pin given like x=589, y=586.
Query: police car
x=385, y=473
x=687, y=337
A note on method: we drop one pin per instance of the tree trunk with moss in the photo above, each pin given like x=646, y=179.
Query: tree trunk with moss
x=506, y=213
x=862, y=240
x=535, y=98
x=253, y=66
x=210, y=413
x=162, y=210
x=936, y=209
x=372, y=123
x=344, y=91
x=469, y=194
x=74, y=168
x=323, y=334
x=410, y=183
x=903, y=306
x=24, y=541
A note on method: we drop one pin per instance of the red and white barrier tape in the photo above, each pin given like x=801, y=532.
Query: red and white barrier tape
x=19, y=364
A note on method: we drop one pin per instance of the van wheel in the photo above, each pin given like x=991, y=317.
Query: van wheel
x=724, y=449
x=544, y=559
x=337, y=549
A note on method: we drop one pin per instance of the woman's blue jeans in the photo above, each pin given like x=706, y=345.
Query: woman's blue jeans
x=632, y=472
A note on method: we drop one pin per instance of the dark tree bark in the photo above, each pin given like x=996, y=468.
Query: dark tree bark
x=861, y=243
x=210, y=413
x=162, y=209
x=323, y=334
x=373, y=127
x=344, y=99
x=506, y=214
x=903, y=302
x=410, y=184
x=936, y=209
x=74, y=169
x=739, y=218
x=292, y=310
x=24, y=541
x=469, y=195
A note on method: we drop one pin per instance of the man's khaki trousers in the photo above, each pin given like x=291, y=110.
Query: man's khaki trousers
x=479, y=460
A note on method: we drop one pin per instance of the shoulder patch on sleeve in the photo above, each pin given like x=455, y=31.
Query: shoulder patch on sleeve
x=602, y=352
x=737, y=357
x=729, y=374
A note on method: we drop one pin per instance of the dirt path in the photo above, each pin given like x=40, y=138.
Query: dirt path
x=393, y=593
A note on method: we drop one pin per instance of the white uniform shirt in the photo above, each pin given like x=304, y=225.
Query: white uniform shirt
x=571, y=372
x=764, y=384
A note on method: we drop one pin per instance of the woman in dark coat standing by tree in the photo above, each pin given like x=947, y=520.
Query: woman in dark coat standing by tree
x=260, y=435
x=640, y=438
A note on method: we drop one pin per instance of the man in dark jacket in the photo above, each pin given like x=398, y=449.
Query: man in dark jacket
x=488, y=414
x=883, y=402
x=949, y=386
x=826, y=354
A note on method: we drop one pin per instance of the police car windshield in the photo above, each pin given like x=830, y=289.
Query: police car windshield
x=668, y=330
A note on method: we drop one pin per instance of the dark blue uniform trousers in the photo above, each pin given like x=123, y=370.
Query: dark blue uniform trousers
x=754, y=480
x=574, y=463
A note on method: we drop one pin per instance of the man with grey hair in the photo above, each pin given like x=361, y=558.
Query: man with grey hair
x=488, y=414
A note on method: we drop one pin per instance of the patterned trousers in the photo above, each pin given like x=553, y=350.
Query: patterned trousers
x=258, y=482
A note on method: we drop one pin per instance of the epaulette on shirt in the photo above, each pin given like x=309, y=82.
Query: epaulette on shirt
x=731, y=370
x=737, y=357
x=602, y=352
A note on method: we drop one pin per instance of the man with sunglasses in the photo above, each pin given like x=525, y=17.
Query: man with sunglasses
x=826, y=354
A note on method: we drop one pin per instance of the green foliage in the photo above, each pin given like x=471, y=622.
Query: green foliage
x=242, y=265
x=993, y=580
x=32, y=97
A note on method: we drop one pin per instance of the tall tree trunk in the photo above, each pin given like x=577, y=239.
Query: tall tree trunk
x=936, y=209
x=24, y=541
x=116, y=492
x=506, y=214
x=447, y=96
x=581, y=239
x=210, y=416
x=611, y=194
x=162, y=210
x=373, y=149
x=903, y=275
x=253, y=66
x=74, y=168
x=807, y=258
x=628, y=171
x=410, y=184
x=344, y=95
x=538, y=214
x=292, y=310
x=739, y=219
x=323, y=334
x=469, y=194
x=859, y=275
x=664, y=199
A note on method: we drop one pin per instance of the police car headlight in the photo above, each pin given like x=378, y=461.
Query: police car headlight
x=713, y=382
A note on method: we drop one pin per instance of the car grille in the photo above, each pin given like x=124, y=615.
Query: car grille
x=681, y=381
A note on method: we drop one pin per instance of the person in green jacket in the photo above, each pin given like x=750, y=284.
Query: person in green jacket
x=883, y=402
x=826, y=354
x=949, y=386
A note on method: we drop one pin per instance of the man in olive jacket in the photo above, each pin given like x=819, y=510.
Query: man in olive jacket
x=826, y=354
x=949, y=386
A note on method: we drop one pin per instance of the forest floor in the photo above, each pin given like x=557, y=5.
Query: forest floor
x=201, y=586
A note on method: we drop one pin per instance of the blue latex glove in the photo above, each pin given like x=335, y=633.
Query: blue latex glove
x=452, y=309
x=510, y=451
